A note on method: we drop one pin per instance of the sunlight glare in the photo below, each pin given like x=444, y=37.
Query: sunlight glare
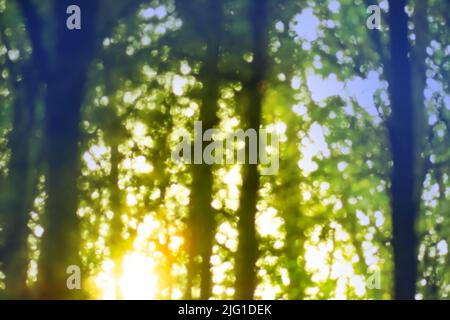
x=138, y=281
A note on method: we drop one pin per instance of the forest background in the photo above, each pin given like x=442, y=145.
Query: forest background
x=359, y=208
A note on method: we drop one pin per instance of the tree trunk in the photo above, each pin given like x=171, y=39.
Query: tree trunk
x=21, y=185
x=405, y=181
x=65, y=92
x=201, y=223
x=115, y=238
x=295, y=223
x=247, y=252
x=17, y=200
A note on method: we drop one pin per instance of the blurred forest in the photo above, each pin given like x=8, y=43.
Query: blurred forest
x=359, y=208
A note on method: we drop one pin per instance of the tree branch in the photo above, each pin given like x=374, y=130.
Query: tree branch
x=130, y=8
x=9, y=64
x=34, y=23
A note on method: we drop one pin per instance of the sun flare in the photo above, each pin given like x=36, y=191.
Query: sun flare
x=137, y=281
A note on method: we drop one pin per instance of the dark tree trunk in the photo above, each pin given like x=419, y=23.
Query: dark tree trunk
x=21, y=185
x=203, y=177
x=17, y=200
x=65, y=92
x=201, y=223
x=247, y=252
x=405, y=143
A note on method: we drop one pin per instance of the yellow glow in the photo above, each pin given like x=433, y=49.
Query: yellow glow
x=137, y=282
